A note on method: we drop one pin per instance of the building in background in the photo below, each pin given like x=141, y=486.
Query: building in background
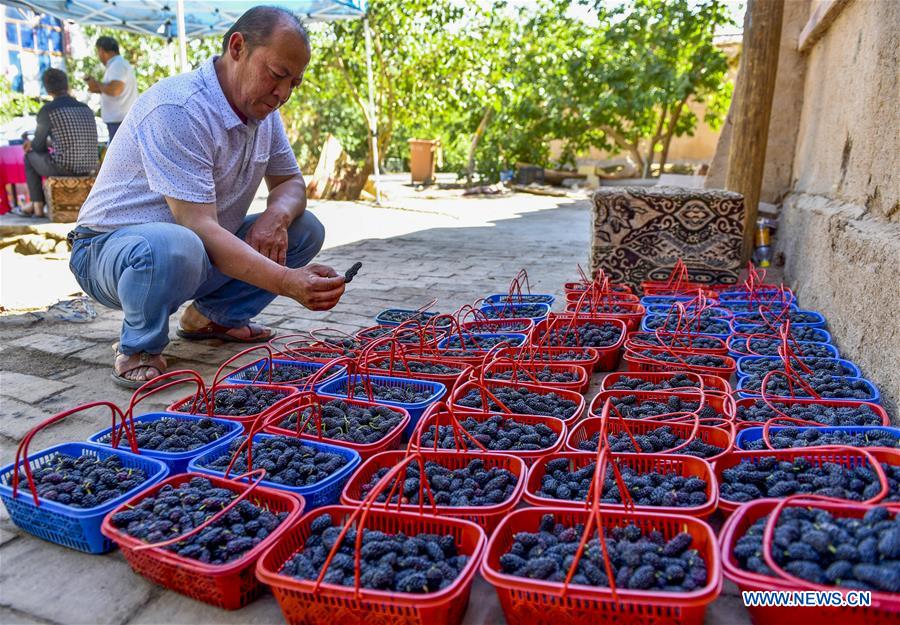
x=31, y=43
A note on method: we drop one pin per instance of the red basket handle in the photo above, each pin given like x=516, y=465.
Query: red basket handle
x=261, y=473
x=281, y=344
x=459, y=432
x=153, y=387
x=360, y=515
x=516, y=368
x=22, y=449
x=216, y=379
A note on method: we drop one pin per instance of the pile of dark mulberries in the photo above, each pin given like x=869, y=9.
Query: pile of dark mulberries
x=815, y=545
x=396, y=562
x=630, y=407
x=675, y=380
x=825, y=384
x=770, y=347
x=583, y=335
x=82, y=482
x=480, y=342
x=795, y=317
x=659, y=440
x=286, y=459
x=237, y=401
x=695, y=341
x=671, y=324
x=497, y=433
x=522, y=401
x=347, y=422
x=762, y=366
x=472, y=485
x=517, y=311
x=562, y=480
x=176, y=511
x=770, y=477
x=283, y=373
x=798, y=333
x=416, y=366
x=545, y=374
x=694, y=360
x=790, y=437
x=172, y=434
x=400, y=393
x=847, y=414
x=639, y=560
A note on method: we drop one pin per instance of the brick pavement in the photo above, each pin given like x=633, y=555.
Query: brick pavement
x=464, y=249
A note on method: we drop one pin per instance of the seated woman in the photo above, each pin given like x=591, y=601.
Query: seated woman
x=64, y=144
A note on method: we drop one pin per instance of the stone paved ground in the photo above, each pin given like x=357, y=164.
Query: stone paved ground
x=454, y=249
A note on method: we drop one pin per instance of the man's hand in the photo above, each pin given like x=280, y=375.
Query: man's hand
x=93, y=84
x=317, y=287
x=269, y=236
x=26, y=145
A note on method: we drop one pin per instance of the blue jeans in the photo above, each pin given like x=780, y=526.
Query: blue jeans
x=149, y=270
x=112, y=128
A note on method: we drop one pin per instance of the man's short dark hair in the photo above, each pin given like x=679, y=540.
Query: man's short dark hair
x=258, y=24
x=55, y=81
x=109, y=44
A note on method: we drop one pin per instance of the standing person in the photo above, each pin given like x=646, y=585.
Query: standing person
x=65, y=141
x=118, y=90
x=166, y=222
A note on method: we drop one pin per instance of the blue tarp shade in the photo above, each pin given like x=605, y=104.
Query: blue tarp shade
x=157, y=17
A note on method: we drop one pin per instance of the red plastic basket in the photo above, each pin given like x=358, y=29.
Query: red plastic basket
x=582, y=286
x=487, y=517
x=686, y=466
x=787, y=401
x=630, y=313
x=185, y=404
x=678, y=340
x=885, y=607
x=463, y=389
x=380, y=365
x=492, y=326
x=303, y=603
x=299, y=402
x=561, y=355
x=714, y=436
x=524, y=370
x=845, y=456
x=710, y=382
x=537, y=602
x=439, y=417
x=723, y=404
x=608, y=356
x=230, y=586
x=636, y=362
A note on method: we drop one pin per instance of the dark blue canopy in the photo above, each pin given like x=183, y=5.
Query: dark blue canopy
x=158, y=17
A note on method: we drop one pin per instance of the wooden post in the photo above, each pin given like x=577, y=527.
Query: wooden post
x=752, y=107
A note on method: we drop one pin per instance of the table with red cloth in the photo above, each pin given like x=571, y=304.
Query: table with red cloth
x=12, y=172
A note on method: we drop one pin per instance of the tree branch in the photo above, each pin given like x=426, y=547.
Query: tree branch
x=620, y=140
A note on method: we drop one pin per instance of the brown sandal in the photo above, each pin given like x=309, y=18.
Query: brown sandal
x=212, y=330
x=151, y=361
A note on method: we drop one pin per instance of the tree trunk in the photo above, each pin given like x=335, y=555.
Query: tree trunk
x=623, y=143
x=482, y=126
x=667, y=141
x=754, y=89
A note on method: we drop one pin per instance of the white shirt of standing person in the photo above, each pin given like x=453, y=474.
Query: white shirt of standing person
x=114, y=107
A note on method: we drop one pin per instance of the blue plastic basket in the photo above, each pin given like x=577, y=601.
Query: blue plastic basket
x=176, y=461
x=380, y=320
x=664, y=300
x=646, y=328
x=75, y=528
x=323, y=493
x=515, y=339
x=831, y=349
x=819, y=320
x=851, y=370
x=749, y=435
x=664, y=309
x=519, y=311
x=245, y=375
x=874, y=398
x=338, y=388
x=746, y=296
x=523, y=298
x=821, y=334
x=737, y=305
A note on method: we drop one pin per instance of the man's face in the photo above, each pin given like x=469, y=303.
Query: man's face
x=103, y=55
x=266, y=77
